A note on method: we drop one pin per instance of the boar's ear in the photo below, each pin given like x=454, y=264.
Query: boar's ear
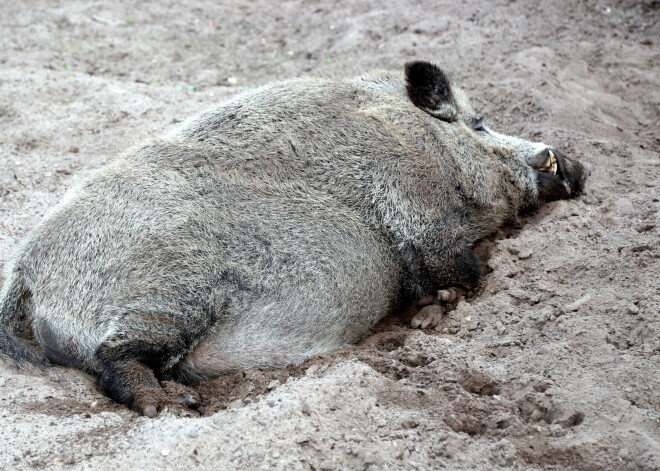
x=429, y=89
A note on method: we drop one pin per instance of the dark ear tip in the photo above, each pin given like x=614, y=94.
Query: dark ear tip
x=418, y=69
x=429, y=89
x=425, y=74
x=413, y=65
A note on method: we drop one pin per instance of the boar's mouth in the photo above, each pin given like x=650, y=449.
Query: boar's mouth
x=550, y=165
x=557, y=177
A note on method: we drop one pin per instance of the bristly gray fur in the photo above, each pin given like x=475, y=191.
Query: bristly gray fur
x=11, y=311
x=283, y=223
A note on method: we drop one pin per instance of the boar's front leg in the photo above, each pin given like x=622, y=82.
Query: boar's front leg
x=431, y=268
x=428, y=270
x=130, y=359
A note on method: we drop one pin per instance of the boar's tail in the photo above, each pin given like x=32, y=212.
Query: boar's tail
x=10, y=300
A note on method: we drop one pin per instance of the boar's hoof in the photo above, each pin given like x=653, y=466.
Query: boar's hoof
x=427, y=317
x=449, y=295
x=434, y=306
x=188, y=400
x=132, y=383
x=148, y=401
x=180, y=394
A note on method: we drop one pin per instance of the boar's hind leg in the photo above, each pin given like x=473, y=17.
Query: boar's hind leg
x=129, y=362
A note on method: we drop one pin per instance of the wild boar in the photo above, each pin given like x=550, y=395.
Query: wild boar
x=284, y=223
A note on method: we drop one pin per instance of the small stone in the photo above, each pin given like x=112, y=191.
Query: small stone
x=573, y=307
x=232, y=81
x=624, y=206
x=94, y=404
x=300, y=439
x=500, y=328
x=589, y=198
x=74, y=149
x=541, y=320
x=632, y=309
x=552, y=391
x=235, y=404
x=518, y=293
x=192, y=433
x=164, y=452
x=273, y=384
x=525, y=253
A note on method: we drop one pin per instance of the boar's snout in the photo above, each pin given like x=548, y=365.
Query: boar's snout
x=558, y=176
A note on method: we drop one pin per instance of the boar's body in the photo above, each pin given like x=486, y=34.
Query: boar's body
x=284, y=223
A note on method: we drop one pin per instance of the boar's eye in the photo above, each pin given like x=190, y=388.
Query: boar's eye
x=478, y=124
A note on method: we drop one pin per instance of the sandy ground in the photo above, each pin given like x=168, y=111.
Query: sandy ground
x=552, y=365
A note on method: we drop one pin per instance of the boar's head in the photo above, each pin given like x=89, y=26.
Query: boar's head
x=543, y=172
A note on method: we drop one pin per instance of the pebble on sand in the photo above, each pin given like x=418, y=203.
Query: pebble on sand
x=574, y=306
